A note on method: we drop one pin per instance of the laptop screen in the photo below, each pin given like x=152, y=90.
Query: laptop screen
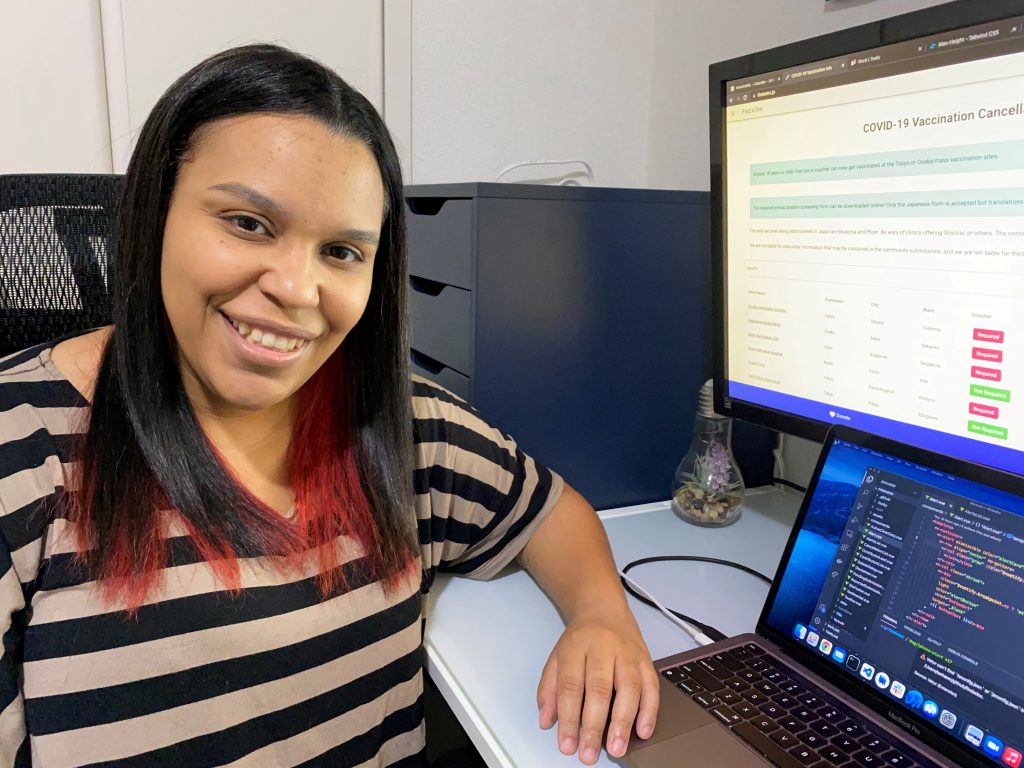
x=910, y=581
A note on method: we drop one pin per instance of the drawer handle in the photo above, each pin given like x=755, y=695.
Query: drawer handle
x=429, y=287
x=426, y=206
x=427, y=363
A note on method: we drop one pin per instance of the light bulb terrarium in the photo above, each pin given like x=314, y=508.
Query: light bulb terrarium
x=708, y=487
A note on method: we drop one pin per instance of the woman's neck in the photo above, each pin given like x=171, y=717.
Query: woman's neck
x=255, y=444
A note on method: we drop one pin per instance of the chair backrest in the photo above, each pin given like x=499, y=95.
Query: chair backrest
x=56, y=246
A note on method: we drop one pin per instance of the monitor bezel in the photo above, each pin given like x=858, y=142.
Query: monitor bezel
x=897, y=29
x=877, y=701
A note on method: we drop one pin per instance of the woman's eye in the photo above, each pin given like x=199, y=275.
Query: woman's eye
x=344, y=253
x=249, y=224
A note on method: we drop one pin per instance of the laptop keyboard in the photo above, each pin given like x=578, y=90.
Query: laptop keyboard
x=787, y=719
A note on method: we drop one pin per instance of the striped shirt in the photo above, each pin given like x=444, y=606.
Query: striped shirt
x=277, y=676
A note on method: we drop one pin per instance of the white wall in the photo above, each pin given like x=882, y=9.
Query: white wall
x=496, y=82
x=691, y=35
x=149, y=44
x=52, y=88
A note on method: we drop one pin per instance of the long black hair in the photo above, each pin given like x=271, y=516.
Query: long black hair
x=144, y=447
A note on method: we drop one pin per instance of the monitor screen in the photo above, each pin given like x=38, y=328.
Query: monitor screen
x=908, y=581
x=869, y=233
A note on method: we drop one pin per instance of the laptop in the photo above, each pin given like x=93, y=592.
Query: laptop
x=893, y=634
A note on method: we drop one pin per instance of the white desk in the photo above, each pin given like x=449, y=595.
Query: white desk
x=487, y=642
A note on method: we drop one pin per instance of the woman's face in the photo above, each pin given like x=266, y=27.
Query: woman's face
x=267, y=256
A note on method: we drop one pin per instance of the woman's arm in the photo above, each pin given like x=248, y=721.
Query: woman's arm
x=601, y=650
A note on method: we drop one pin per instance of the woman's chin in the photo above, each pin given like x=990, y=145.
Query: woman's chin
x=247, y=397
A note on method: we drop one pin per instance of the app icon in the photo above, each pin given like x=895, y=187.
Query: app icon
x=839, y=655
x=993, y=747
x=1012, y=757
x=853, y=662
x=974, y=735
x=867, y=671
x=948, y=719
x=898, y=689
x=882, y=680
x=825, y=647
x=813, y=638
x=930, y=709
x=800, y=632
x=914, y=700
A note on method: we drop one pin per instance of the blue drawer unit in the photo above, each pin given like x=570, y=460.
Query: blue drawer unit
x=576, y=319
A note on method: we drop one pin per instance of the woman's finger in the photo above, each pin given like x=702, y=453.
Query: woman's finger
x=570, y=687
x=628, y=691
x=600, y=683
x=547, y=692
x=650, y=702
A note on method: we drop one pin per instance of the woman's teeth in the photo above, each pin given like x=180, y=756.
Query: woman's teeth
x=268, y=340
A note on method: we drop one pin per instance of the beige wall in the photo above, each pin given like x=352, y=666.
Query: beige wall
x=52, y=94
x=691, y=35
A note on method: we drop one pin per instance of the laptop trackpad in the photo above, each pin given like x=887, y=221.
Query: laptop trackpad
x=708, y=745
x=677, y=715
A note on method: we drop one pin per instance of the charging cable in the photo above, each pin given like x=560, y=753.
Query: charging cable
x=701, y=633
x=698, y=636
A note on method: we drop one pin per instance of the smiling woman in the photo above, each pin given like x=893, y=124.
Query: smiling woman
x=217, y=515
x=287, y=252
x=272, y=158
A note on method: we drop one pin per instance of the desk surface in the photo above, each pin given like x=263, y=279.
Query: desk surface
x=487, y=642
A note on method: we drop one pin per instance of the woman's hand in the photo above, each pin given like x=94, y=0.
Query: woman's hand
x=600, y=653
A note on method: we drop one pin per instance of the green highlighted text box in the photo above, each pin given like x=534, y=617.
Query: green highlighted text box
x=883, y=205
x=991, y=393
x=989, y=430
x=963, y=158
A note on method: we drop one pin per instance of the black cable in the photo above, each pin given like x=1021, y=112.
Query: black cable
x=789, y=483
x=707, y=629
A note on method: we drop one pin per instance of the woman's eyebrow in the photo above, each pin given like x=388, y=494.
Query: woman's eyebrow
x=254, y=196
x=260, y=200
x=360, y=235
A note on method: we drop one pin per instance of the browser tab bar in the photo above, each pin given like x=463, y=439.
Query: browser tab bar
x=978, y=42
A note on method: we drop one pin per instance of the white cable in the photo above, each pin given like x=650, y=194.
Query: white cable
x=780, y=462
x=699, y=637
x=588, y=170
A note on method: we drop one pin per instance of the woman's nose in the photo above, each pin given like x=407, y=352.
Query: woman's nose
x=291, y=277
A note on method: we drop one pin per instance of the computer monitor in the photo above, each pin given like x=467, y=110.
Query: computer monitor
x=867, y=194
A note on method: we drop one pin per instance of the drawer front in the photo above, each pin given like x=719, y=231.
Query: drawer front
x=441, y=240
x=442, y=317
x=450, y=379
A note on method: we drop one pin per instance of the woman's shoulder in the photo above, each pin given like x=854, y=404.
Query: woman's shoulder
x=431, y=400
x=40, y=413
x=441, y=418
x=446, y=412
x=30, y=379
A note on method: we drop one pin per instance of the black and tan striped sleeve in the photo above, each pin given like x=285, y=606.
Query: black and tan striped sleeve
x=31, y=459
x=13, y=736
x=479, y=498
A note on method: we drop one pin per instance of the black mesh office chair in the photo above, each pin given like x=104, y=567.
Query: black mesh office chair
x=56, y=235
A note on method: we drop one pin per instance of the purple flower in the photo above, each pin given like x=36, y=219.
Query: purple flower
x=717, y=469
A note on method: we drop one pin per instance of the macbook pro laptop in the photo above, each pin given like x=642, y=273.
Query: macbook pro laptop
x=893, y=634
